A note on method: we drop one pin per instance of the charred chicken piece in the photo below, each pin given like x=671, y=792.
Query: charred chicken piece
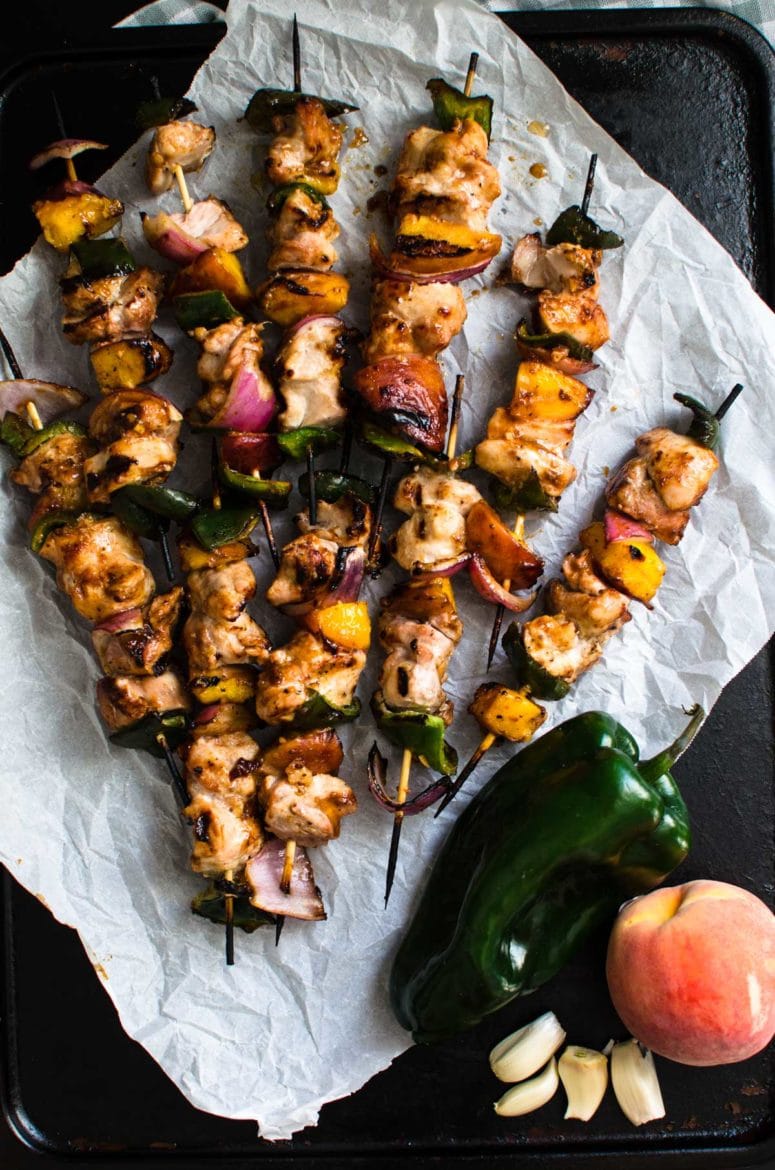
x=632, y=491
x=419, y=628
x=183, y=144
x=58, y=462
x=218, y=632
x=446, y=174
x=302, y=235
x=112, y=306
x=679, y=467
x=596, y=610
x=555, y=644
x=305, y=148
x=577, y=314
x=220, y=776
x=437, y=506
x=411, y=318
x=307, y=569
x=138, y=432
x=226, y=350
x=301, y=796
x=309, y=372
x=304, y=667
x=222, y=593
x=346, y=522
x=100, y=566
x=139, y=641
x=210, y=223
x=126, y=699
x=564, y=268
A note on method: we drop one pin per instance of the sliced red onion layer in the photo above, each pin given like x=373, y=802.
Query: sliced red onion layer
x=263, y=873
x=247, y=453
x=451, y=276
x=64, y=148
x=250, y=405
x=170, y=240
x=305, y=321
x=485, y=584
x=206, y=714
x=130, y=619
x=350, y=575
x=69, y=187
x=49, y=398
x=410, y=808
x=619, y=527
x=446, y=568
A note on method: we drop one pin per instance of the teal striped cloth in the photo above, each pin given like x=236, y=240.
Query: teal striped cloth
x=759, y=13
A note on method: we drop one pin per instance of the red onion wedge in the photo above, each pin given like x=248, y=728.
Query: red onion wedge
x=446, y=568
x=345, y=583
x=49, y=398
x=130, y=619
x=330, y=319
x=410, y=808
x=452, y=276
x=69, y=187
x=491, y=590
x=263, y=873
x=64, y=148
x=206, y=714
x=619, y=527
x=247, y=453
x=170, y=240
x=250, y=405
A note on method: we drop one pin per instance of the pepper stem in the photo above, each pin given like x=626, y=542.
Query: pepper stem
x=733, y=394
x=658, y=765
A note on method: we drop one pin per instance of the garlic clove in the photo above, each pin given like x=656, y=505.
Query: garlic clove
x=525, y=1051
x=635, y=1083
x=584, y=1076
x=529, y=1095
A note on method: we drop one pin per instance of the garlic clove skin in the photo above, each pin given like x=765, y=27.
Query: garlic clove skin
x=584, y=1076
x=522, y=1053
x=635, y=1083
x=529, y=1095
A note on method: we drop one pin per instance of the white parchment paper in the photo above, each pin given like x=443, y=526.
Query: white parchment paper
x=95, y=831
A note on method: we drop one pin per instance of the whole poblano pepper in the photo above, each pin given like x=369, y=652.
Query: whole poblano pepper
x=548, y=850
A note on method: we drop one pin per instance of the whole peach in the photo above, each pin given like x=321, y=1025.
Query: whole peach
x=691, y=971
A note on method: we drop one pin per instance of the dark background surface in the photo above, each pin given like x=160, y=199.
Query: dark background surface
x=74, y=1082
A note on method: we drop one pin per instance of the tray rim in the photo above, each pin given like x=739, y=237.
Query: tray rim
x=597, y=24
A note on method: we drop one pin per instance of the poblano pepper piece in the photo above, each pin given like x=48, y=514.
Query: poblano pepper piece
x=163, y=501
x=98, y=258
x=205, y=309
x=704, y=427
x=294, y=444
x=333, y=485
x=52, y=431
x=450, y=105
x=319, y=712
x=397, y=448
x=548, y=850
x=276, y=200
x=528, y=496
x=267, y=104
x=214, y=527
x=15, y=432
x=420, y=733
x=162, y=110
x=274, y=491
x=572, y=226
x=581, y=353
x=211, y=904
x=528, y=672
x=143, y=735
x=135, y=517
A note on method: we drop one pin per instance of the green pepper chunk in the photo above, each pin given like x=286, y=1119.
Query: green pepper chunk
x=527, y=496
x=545, y=853
x=581, y=353
x=276, y=200
x=397, y=448
x=98, y=258
x=135, y=517
x=451, y=105
x=211, y=904
x=162, y=110
x=213, y=527
x=47, y=524
x=203, y=310
x=530, y=673
x=163, y=501
x=294, y=444
x=268, y=104
x=317, y=711
x=333, y=485
x=144, y=735
x=572, y=226
x=15, y=432
x=60, y=427
x=274, y=491
x=704, y=427
x=420, y=733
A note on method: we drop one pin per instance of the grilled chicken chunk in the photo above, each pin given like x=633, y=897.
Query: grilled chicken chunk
x=304, y=667
x=134, y=412
x=303, y=235
x=127, y=461
x=126, y=699
x=176, y=144
x=413, y=318
x=513, y=464
x=307, y=568
x=419, y=629
x=309, y=371
x=100, y=566
x=210, y=222
x=211, y=640
x=563, y=268
x=555, y=643
x=347, y=522
x=446, y=174
x=226, y=350
x=632, y=491
x=220, y=775
x=577, y=314
x=679, y=467
x=306, y=146
x=111, y=306
x=301, y=797
x=435, y=532
x=56, y=463
x=222, y=593
x=139, y=644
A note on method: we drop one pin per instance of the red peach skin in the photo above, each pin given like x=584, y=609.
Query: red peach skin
x=691, y=971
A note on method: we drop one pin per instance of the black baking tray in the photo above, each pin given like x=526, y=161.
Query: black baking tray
x=690, y=94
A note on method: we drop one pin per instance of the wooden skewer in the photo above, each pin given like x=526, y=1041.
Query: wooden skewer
x=589, y=185
x=406, y=759
x=177, y=780
x=180, y=179
x=312, y=495
x=69, y=164
x=32, y=414
x=287, y=874
x=296, y=57
x=489, y=741
x=473, y=61
x=372, y=557
x=10, y=357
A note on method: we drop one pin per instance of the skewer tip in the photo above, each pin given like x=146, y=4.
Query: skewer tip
x=278, y=928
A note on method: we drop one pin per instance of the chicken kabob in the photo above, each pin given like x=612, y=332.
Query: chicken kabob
x=110, y=304
x=648, y=499
x=210, y=296
x=526, y=445
x=441, y=196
